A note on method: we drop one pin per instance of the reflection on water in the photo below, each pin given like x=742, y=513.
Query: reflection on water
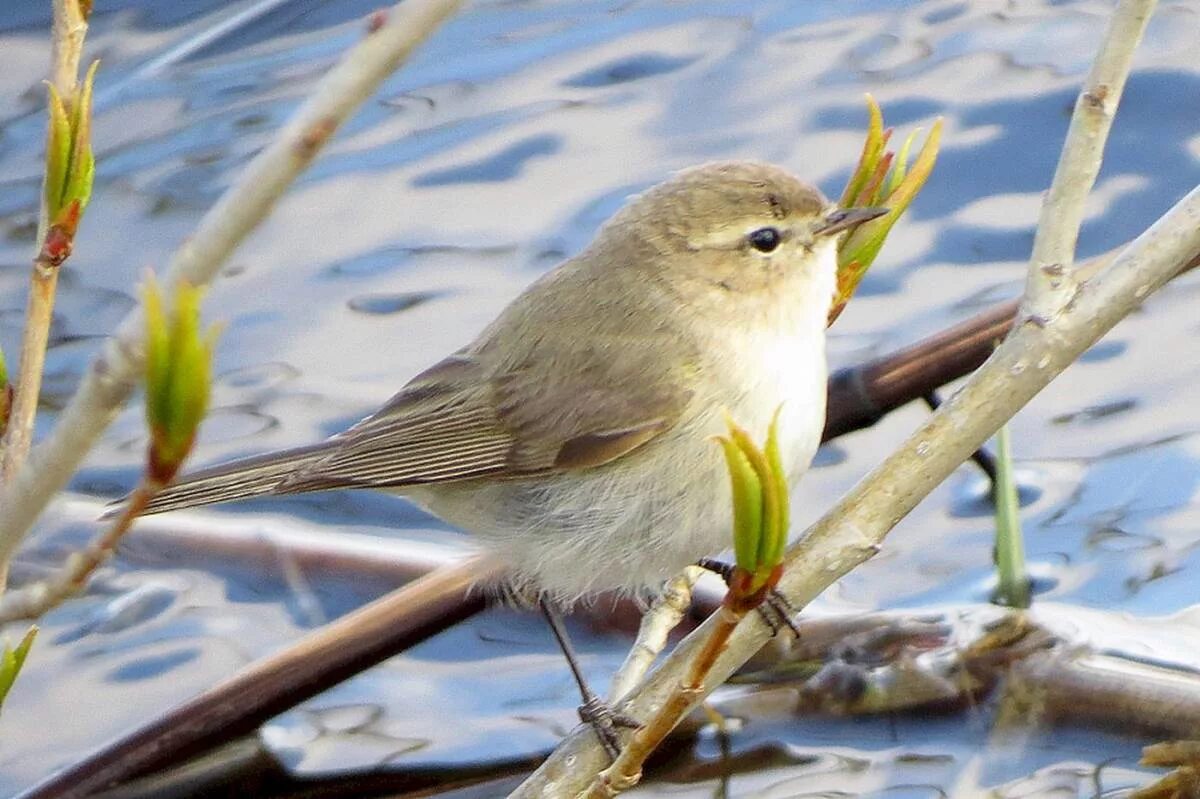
x=498, y=151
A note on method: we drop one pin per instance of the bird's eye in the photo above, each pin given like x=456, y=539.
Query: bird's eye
x=765, y=239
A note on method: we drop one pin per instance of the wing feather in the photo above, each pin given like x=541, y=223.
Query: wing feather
x=460, y=421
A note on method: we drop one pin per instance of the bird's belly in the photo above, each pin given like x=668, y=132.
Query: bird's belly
x=635, y=522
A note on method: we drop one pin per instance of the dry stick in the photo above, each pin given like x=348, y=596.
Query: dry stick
x=341, y=647
x=877, y=387
x=859, y=397
x=853, y=530
x=68, y=32
x=31, y=601
x=1050, y=284
x=1109, y=692
x=626, y=771
x=114, y=373
x=663, y=616
x=1035, y=351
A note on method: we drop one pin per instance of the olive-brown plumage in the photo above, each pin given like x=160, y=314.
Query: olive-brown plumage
x=573, y=435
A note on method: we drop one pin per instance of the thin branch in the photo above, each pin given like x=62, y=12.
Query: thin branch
x=1051, y=283
x=32, y=601
x=113, y=374
x=68, y=31
x=853, y=530
x=662, y=617
x=626, y=771
x=347, y=646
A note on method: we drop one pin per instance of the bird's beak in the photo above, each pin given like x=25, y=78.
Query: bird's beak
x=846, y=218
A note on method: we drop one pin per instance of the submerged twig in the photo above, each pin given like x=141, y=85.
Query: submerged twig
x=245, y=700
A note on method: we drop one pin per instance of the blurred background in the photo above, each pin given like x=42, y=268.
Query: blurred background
x=495, y=153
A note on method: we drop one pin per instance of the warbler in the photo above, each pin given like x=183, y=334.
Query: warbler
x=573, y=436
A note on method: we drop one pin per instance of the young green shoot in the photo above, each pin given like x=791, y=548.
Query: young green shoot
x=760, y=528
x=760, y=513
x=11, y=661
x=882, y=179
x=1013, y=588
x=177, y=376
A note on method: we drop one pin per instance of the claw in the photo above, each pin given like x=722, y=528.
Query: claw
x=776, y=611
x=604, y=721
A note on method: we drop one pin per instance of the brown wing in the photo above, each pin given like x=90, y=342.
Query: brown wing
x=456, y=422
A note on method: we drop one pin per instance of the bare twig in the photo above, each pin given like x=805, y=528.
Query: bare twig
x=69, y=30
x=31, y=601
x=626, y=771
x=1051, y=283
x=1109, y=692
x=662, y=617
x=347, y=646
x=852, y=531
x=112, y=376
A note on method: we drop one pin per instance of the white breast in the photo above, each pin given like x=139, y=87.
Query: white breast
x=637, y=522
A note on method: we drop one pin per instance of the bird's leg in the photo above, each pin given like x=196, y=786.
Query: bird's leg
x=775, y=610
x=594, y=712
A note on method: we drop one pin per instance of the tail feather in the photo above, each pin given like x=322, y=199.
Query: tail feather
x=240, y=479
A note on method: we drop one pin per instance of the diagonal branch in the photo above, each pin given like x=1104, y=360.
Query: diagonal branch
x=112, y=376
x=67, y=34
x=1051, y=280
x=1038, y=348
x=854, y=529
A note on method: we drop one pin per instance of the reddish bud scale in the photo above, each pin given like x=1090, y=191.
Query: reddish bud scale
x=315, y=137
x=162, y=466
x=57, y=246
x=6, y=398
x=376, y=20
x=60, y=238
x=748, y=590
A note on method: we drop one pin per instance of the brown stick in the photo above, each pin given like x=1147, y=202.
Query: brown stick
x=239, y=704
x=34, y=600
x=859, y=397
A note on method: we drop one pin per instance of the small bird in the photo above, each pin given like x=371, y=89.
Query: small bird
x=574, y=435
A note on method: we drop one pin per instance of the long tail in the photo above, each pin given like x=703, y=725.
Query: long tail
x=240, y=479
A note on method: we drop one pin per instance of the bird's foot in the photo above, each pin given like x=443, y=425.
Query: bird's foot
x=775, y=610
x=605, y=721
